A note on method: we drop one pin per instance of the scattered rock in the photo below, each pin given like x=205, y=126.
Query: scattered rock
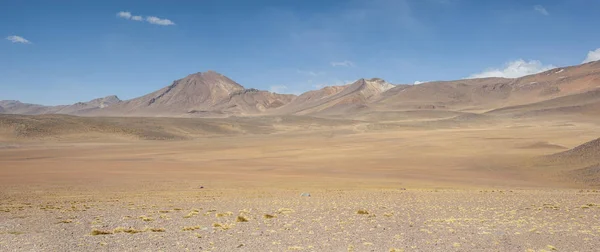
x=305, y=194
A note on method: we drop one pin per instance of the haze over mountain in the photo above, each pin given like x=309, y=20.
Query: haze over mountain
x=211, y=94
x=17, y=107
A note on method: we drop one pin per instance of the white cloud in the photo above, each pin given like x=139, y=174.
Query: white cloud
x=345, y=63
x=158, y=21
x=420, y=82
x=18, y=39
x=124, y=14
x=540, y=9
x=150, y=19
x=592, y=56
x=514, y=69
x=278, y=89
x=311, y=73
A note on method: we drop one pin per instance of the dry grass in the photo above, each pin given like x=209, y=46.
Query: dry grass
x=191, y=228
x=223, y=226
x=192, y=214
x=127, y=230
x=241, y=219
x=285, y=211
x=101, y=232
x=227, y=214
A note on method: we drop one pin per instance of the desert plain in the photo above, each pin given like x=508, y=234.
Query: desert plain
x=475, y=184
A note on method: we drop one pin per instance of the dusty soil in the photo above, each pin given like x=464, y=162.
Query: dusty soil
x=466, y=184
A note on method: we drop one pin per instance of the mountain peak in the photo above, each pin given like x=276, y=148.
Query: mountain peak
x=378, y=84
x=113, y=98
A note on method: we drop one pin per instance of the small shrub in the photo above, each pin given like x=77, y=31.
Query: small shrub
x=362, y=212
x=241, y=219
x=190, y=228
x=101, y=232
x=223, y=214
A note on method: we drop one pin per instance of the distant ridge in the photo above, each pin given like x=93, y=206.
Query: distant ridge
x=564, y=90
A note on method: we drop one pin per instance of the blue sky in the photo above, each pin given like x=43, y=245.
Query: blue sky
x=61, y=52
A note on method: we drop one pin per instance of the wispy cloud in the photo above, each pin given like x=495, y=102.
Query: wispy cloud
x=278, y=89
x=592, y=56
x=514, y=69
x=345, y=63
x=18, y=39
x=124, y=14
x=158, y=21
x=310, y=73
x=419, y=82
x=150, y=19
x=540, y=9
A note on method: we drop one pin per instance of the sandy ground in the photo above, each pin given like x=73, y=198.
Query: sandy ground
x=445, y=189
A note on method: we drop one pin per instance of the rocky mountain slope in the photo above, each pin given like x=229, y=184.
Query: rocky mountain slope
x=574, y=89
x=199, y=94
x=337, y=99
x=17, y=107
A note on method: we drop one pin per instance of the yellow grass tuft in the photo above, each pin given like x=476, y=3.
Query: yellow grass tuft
x=192, y=228
x=241, y=219
x=127, y=230
x=101, y=232
x=285, y=211
x=191, y=214
x=222, y=226
x=362, y=212
x=223, y=214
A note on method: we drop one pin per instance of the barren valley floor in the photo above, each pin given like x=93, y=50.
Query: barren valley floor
x=485, y=187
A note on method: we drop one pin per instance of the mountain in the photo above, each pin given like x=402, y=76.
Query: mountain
x=83, y=107
x=574, y=89
x=455, y=95
x=252, y=101
x=199, y=94
x=586, y=103
x=337, y=99
x=480, y=95
x=17, y=107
